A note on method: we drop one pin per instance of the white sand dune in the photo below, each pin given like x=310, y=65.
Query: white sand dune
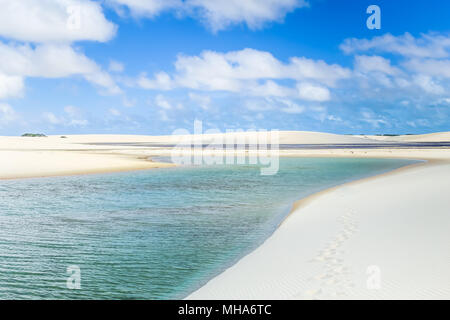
x=430, y=137
x=53, y=156
x=380, y=238
x=22, y=157
x=286, y=137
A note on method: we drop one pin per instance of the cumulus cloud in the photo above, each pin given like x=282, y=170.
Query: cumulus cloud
x=428, y=84
x=269, y=88
x=216, y=14
x=250, y=72
x=162, y=102
x=439, y=68
x=314, y=93
x=50, y=61
x=42, y=33
x=51, y=118
x=164, y=107
x=368, y=64
x=423, y=62
x=116, y=66
x=161, y=81
x=232, y=68
x=7, y=114
x=291, y=107
x=259, y=105
x=425, y=46
x=370, y=117
x=146, y=8
x=10, y=86
x=54, y=21
x=72, y=117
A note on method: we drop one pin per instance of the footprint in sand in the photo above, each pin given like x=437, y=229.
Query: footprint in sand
x=334, y=281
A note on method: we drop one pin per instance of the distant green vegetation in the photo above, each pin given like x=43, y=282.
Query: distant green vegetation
x=34, y=135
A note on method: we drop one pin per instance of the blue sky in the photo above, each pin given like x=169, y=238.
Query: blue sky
x=151, y=67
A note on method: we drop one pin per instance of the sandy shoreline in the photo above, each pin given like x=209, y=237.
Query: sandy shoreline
x=392, y=227
x=25, y=157
x=334, y=244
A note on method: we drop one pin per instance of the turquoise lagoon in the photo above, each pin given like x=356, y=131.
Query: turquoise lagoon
x=156, y=234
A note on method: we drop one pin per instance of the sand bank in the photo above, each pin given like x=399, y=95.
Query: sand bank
x=54, y=156
x=22, y=157
x=379, y=238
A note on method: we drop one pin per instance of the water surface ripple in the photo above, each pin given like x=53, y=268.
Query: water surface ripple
x=156, y=234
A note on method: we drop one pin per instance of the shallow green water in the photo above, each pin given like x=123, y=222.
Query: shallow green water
x=156, y=234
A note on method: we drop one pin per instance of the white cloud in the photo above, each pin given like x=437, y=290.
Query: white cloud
x=73, y=117
x=423, y=63
x=52, y=25
x=371, y=118
x=71, y=111
x=319, y=70
x=313, y=93
x=426, y=46
x=202, y=101
x=54, y=21
x=334, y=118
x=162, y=102
x=163, y=116
x=231, y=69
x=10, y=86
x=432, y=67
x=114, y=112
x=271, y=104
x=270, y=89
x=445, y=101
x=128, y=102
x=116, y=66
x=161, y=81
x=249, y=72
x=52, y=119
x=367, y=64
x=52, y=61
x=259, y=105
x=78, y=122
x=428, y=84
x=291, y=107
x=146, y=8
x=217, y=14
x=7, y=114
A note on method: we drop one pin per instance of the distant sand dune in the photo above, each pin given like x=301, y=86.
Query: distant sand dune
x=431, y=137
x=77, y=154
